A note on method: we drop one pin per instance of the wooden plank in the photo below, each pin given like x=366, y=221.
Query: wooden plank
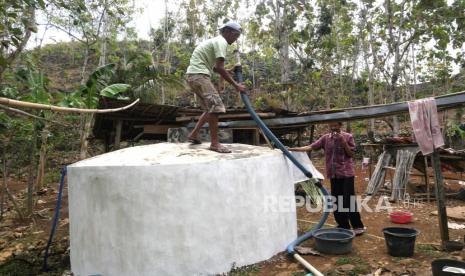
x=135, y=139
x=457, y=213
x=440, y=197
x=404, y=163
x=379, y=173
x=116, y=117
x=226, y=116
x=157, y=129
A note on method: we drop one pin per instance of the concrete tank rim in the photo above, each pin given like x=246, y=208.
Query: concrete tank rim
x=257, y=152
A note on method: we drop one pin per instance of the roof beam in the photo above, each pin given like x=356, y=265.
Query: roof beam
x=449, y=101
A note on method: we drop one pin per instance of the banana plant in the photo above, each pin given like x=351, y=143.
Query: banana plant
x=145, y=76
x=98, y=84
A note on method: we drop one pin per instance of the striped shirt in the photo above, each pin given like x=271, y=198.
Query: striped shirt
x=338, y=163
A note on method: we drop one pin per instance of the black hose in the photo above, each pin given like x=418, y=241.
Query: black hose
x=55, y=219
x=278, y=144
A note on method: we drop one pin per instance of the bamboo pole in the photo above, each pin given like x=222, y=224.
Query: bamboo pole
x=14, y=110
x=15, y=103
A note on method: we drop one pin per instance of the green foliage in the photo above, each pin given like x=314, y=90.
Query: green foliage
x=361, y=266
x=455, y=130
x=144, y=76
x=17, y=24
x=96, y=82
x=4, y=121
x=115, y=91
x=349, y=260
x=430, y=250
x=34, y=84
x=9, y=92
x=249, y=270
x=73, y=99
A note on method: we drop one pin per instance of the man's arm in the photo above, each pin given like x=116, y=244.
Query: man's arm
x=349, y=145
x=302, y=149
x=219, y=68
x=314, y=146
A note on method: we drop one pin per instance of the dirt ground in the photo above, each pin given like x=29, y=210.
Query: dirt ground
x=22, y=243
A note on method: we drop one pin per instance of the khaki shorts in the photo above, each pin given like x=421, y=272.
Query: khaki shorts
x=210, y=100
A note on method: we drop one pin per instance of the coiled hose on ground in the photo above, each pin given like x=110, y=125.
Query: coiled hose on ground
x=278, y=144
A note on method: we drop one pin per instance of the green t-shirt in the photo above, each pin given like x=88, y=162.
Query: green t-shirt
x=204, y=57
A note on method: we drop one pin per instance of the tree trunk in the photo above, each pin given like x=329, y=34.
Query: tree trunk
x=5, y=185
x=84, y=65
x=32, y=166
x=5, y=180
x=282, y=33
x=414, y=66
x=86, y=123
x=42, y=159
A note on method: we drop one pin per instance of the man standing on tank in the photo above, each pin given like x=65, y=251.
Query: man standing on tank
x=339, y=149
x=208, y=57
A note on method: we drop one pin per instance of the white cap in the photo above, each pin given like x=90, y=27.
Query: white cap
x=232, y=25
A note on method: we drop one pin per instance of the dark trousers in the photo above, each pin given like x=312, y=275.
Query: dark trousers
x=343, y=189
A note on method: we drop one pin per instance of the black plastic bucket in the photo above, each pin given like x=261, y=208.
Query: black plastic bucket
x=440, y=264
x=334, y=240
x=400, y=241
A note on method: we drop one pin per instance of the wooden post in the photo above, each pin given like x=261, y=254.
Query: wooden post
x=370, y=164
x=299, y=137
x=107, y=141
x=119, y=126
x=268, y=142
x=440, y=197
x=312, y=133
x=256, y=137
x=428, y=196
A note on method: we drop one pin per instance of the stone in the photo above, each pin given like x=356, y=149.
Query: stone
x=325, y=267
x=346, y=267
x=294, y=267
x=179, y=209
x=7, y=235
x=6, y=254
x=285, y=273
x=407, y=261
x=3, y=243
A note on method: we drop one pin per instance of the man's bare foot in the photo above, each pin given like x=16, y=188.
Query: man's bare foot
x=219, y=148
x=194, y=140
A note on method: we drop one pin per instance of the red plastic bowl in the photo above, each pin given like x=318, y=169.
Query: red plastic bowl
x=401, y=217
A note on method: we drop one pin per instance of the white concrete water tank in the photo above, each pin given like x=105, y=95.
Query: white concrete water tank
x=178, y=209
